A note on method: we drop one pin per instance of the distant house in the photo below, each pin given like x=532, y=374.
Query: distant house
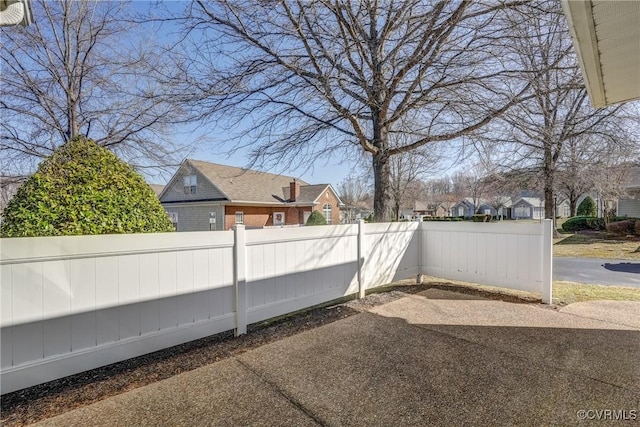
x=528, y=208
x=533, y=208
x=630, y=206
x=207, y=196
x=463, y=208
x=428, y=209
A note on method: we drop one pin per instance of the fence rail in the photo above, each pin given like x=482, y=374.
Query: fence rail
x=69, y=304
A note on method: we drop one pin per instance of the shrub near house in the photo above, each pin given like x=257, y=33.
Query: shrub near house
x=83, y=189
x=316, y=218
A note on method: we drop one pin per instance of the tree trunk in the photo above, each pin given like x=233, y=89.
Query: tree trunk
x=573, y=204
x=548, y=183
x=382, y=183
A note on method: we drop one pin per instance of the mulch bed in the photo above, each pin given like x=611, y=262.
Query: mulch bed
x=47, y=400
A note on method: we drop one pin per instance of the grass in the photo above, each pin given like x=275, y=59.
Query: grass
x=563, y=292
x=596, y=246
x=569, y=292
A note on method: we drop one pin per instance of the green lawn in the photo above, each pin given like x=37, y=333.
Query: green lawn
x=596, y=246
x=563, y=292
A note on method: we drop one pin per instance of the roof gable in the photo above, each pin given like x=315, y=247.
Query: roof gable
x=205, y=189
x=246, y=185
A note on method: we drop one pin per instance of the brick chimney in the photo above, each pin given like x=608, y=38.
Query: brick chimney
x=294, y=190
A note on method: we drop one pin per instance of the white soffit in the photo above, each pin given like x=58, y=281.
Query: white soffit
x=606, y=36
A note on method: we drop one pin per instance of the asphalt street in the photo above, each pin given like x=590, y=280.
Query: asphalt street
x=612, y=272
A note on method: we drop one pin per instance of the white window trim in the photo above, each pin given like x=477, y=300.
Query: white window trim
x=241, y=222
x=325, y=211
x=190, y=184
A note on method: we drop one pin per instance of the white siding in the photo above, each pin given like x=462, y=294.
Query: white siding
x=629, y=208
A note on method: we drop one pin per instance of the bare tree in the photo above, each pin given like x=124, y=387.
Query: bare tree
x=406, y=170
x=470, y=185
x=353, y=193
x=558, y=112
x=435, y=192
x=610, y=181
x=574, y=173
x=82, y=69
x=309, y=78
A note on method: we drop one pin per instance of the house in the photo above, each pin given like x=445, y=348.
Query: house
x=630, y=205
x=528, y=208
x=206, y=196
x=533, y=208
x=428, y=209
x=464, y=208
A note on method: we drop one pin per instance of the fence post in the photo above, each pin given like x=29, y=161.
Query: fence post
x=547, y=261
x=420, y=252
x=240, y=278
x=361, y=284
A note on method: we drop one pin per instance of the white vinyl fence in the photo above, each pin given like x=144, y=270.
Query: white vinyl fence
x=69, y=304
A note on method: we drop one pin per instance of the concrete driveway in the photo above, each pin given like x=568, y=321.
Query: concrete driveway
x=612, y=272
x=435, y=358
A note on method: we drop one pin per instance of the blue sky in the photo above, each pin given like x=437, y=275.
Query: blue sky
x=329, y=170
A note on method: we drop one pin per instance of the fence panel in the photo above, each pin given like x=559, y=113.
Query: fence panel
x=391, y=252
x=500, y=254
x=293, y=268
x=69, y=304
x=78, y=302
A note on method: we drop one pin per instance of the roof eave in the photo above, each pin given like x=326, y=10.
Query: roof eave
x=583, y=34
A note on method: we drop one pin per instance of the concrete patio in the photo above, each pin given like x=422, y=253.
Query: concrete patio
x=435, y=358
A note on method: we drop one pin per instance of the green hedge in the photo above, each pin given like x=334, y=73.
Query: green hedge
x=481, y=218
x=83, y=189
x=578, y=223
x=441, y=218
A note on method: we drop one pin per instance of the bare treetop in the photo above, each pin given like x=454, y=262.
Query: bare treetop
x=82, y=68
x=313, y=77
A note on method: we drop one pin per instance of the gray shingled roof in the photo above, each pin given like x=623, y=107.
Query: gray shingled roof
x=157, y=188
x=247, y=185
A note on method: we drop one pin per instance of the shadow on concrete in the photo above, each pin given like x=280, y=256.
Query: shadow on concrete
x=624, y=267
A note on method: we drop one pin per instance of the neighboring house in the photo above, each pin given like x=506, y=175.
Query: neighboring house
x=8, y=188
x=504, y=204
x=467, y=208
x=533, y=208
x=428, y=209
x=630, y=205
x=207, y=196
x=464, y=208
x=528, y=208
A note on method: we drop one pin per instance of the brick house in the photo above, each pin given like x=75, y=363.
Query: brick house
x=206, y=196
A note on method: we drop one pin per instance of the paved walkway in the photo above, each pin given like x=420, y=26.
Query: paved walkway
x=611, y=272
x=435, y=358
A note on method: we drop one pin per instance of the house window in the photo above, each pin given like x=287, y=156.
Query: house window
x=239, y=217
x=190, y=184
x=278, y=218
x=522, y=212
x=326, y=210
